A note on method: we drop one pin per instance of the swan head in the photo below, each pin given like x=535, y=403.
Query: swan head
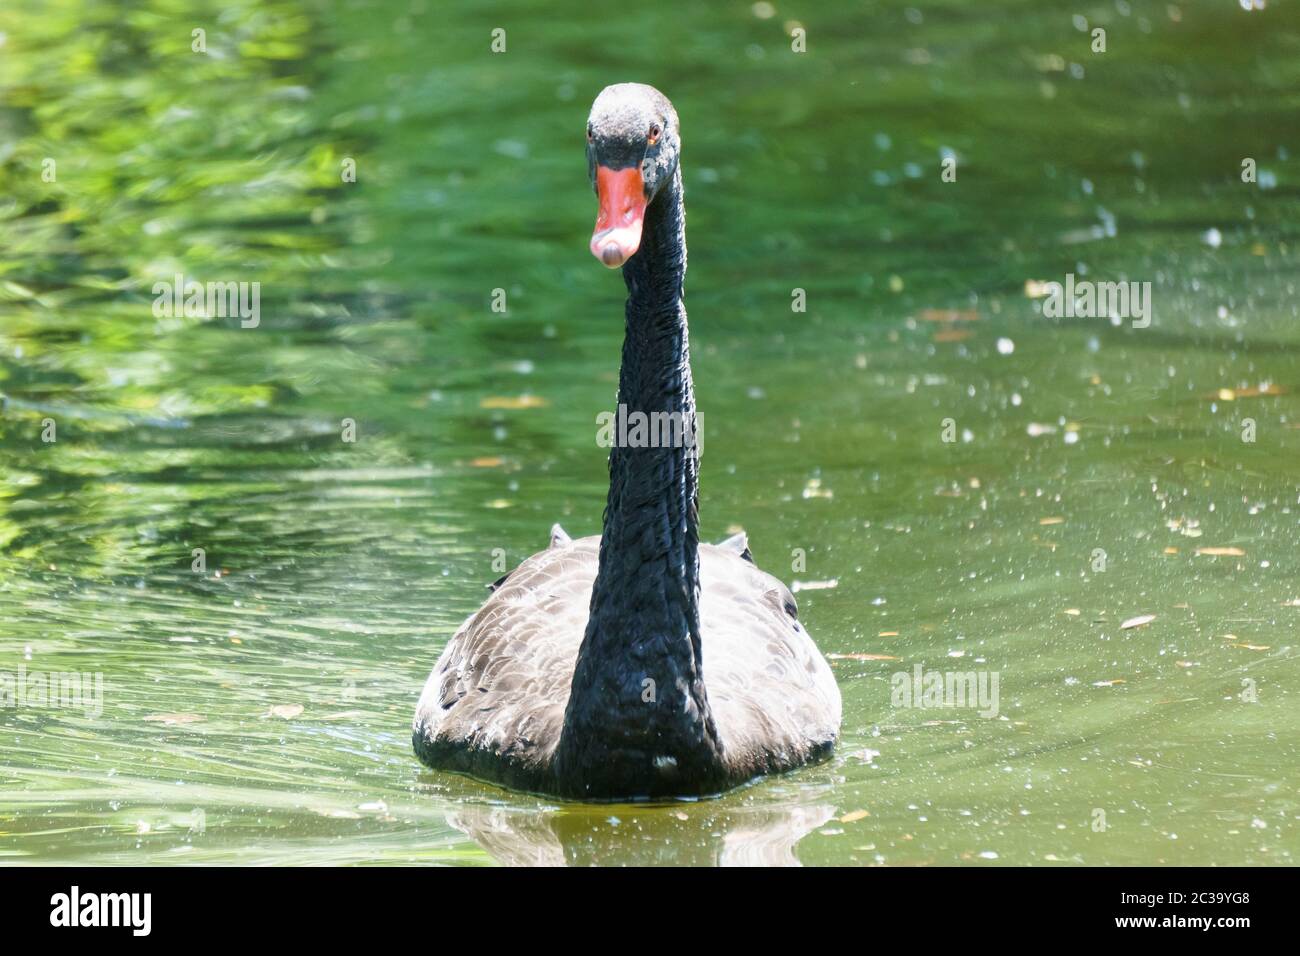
x=632, y=147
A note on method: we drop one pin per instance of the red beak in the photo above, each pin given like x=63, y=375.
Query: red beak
x=617, y=235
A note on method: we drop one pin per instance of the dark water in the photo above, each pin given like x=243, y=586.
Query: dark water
x=258, y=711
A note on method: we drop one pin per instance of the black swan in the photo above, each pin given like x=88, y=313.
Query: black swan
x=640, y=664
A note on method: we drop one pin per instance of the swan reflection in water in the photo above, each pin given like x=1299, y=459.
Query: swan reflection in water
x=678, y=834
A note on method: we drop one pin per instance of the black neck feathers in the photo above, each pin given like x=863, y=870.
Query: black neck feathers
x=638, y=720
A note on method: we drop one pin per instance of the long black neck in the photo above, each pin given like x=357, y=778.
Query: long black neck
x=638, y=720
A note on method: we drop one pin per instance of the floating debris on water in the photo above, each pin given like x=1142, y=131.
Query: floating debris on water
x=814, y=489
x=1138, y=621
x=948, y=315
x=513, y=402
x=798, y=586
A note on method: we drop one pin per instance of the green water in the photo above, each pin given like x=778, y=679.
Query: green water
x=336, y=570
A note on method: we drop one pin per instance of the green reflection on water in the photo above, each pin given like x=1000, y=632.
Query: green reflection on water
x=335, y=571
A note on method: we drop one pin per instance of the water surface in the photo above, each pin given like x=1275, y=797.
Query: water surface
x=258, y=711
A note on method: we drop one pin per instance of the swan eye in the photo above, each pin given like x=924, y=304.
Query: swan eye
x=590, y=137
x=652, y=136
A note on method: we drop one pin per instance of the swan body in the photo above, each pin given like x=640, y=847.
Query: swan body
x=639, y=663
x=494, y=705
